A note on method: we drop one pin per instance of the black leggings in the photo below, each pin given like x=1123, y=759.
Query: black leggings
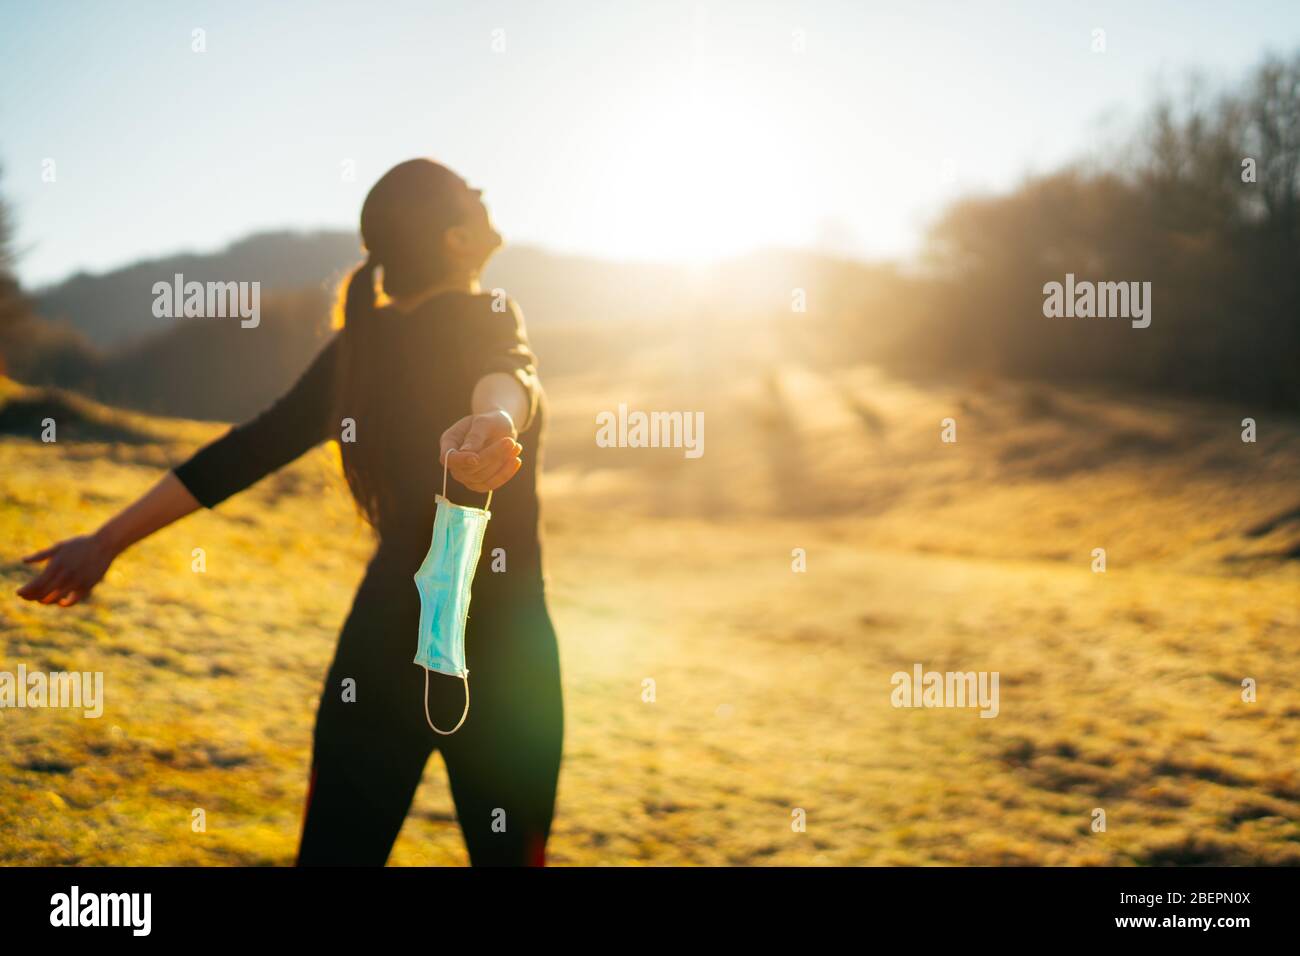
x=369, y=754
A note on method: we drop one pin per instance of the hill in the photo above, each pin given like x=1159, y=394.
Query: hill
x=582, y=314
x=114, y=309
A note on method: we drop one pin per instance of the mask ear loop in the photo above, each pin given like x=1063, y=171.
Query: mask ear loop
x=464, y=713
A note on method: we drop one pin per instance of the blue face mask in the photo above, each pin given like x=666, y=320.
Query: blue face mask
x=444, y=582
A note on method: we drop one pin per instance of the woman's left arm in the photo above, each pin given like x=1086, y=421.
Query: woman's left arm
x=503, y=404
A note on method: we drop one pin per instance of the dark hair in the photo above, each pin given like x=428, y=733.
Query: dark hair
x=403, y=220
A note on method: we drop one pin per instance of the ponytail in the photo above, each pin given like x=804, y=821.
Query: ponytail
x=359, y=300
x=353, y=310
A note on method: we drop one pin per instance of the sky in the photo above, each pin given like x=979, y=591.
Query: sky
x=676, y=131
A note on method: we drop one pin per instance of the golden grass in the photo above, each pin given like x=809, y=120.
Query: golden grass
x=1120, y=691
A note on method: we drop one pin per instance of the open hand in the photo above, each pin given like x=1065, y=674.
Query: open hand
x=75, y=567
x=486, y=454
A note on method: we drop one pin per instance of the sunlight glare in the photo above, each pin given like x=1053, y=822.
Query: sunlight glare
x=704, y=173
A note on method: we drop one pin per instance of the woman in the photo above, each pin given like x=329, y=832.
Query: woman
x=438, y=352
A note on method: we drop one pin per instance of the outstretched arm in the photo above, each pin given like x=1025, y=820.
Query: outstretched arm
x=243, y=455
x=78, y=564
x=502, y=406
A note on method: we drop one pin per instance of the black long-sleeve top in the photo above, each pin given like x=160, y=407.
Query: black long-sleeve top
x=429, y=361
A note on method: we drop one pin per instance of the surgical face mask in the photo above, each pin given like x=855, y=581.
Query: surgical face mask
x=444, y=581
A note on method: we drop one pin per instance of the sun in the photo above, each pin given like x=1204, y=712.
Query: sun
x=703, y=170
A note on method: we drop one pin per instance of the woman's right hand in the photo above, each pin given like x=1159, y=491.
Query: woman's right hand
x=75, y=567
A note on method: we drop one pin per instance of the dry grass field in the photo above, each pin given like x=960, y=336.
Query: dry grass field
x=1119, y=690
